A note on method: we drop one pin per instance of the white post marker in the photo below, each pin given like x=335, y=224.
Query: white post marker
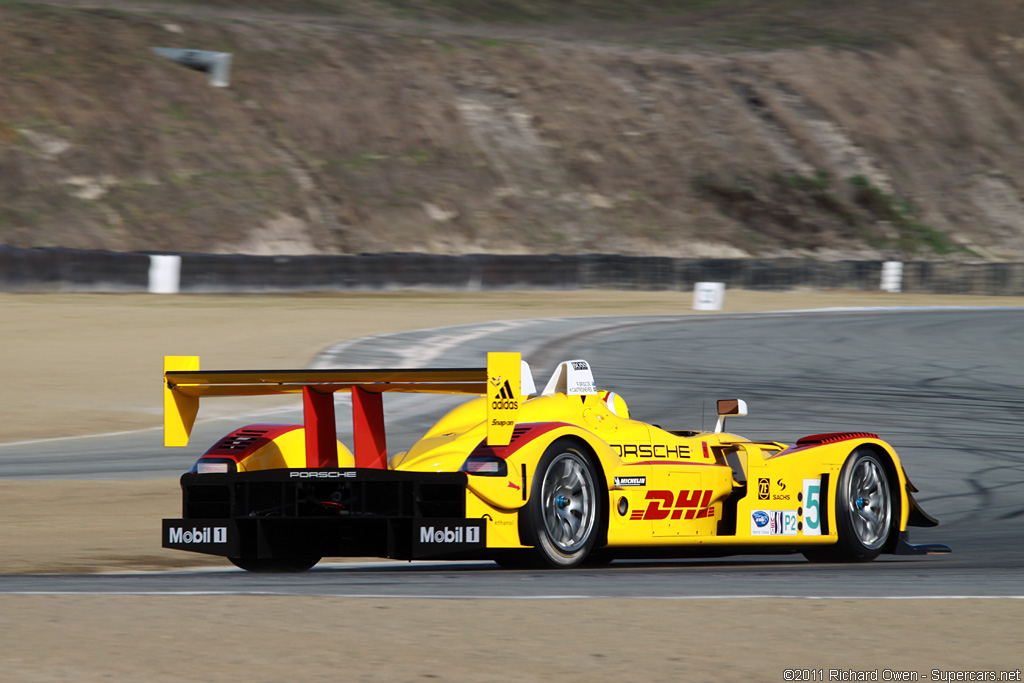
x=164, y=274
x=708, y=296
x=892, y=277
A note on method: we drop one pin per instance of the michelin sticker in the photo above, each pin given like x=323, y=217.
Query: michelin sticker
x=773, y=523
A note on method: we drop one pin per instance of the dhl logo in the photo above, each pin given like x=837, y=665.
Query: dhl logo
x=694, y=503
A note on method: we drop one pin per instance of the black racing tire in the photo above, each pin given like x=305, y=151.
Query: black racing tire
x=866, y=507
x=564, y=516
x=274, y=565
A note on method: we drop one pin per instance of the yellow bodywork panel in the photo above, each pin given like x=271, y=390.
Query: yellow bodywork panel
x=288, y=451
x=180, y=409
x=503, y=396
x=502, y=525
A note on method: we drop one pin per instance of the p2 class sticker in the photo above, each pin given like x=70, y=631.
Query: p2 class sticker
x=773, y=523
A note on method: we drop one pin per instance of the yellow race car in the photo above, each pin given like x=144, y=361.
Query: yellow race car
x=553, y=478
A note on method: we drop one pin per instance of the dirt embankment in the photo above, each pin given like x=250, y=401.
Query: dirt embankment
x=740, y=127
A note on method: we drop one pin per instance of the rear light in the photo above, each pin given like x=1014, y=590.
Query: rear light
x=485, y=466
x=210, y=466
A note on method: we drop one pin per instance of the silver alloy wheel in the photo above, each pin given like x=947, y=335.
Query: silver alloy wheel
x=568, y=502
x=868, y=500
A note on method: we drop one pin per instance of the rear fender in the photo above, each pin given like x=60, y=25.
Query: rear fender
x=524, y=453
x=265, y=447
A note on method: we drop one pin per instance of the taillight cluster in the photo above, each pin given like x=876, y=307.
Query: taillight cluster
x=485, y=466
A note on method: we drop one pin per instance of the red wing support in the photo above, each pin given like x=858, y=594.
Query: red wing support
x=368, y=426
x=321, y=433
x=370, y=445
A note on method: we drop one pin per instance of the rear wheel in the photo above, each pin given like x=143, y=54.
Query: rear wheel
x=562, y=517
x=275, y=565
x=864, y=510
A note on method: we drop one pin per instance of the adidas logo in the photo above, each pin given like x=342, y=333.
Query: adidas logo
x=506, y=391
x=505, y=398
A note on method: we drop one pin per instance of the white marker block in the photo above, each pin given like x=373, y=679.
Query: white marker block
x=892, y=277
x=164, y=274
x=708, y=296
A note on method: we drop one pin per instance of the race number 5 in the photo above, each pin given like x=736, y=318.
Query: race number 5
x=812, y=507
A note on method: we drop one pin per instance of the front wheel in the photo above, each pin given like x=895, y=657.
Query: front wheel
x=864, y=510
x=562, y=517
x=275, y=565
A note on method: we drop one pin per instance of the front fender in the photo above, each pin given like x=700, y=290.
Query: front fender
x=828, y=458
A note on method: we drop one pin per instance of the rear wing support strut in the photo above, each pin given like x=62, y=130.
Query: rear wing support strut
x=321, y=430
x=369, y=438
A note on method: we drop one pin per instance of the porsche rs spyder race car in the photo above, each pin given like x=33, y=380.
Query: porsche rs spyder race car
x=525, y=478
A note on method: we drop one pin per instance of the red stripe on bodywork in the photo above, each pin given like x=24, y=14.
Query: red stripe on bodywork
x=671, y=462
x=245, y=441
x=822, y=439
x=521, y=435
x=815, y=440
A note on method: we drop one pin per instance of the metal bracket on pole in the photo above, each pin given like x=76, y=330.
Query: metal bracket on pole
x=217, y=64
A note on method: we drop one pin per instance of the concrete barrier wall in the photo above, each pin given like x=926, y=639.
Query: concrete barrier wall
x=73, y=270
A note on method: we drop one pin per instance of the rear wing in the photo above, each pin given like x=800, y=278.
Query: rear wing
x=501, y=381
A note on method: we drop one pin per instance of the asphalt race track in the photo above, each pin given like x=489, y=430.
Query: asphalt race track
x=944, y=386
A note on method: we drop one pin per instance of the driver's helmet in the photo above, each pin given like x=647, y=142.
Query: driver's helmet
x=615, y=403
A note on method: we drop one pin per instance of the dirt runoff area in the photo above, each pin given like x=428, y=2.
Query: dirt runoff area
x=86, y=364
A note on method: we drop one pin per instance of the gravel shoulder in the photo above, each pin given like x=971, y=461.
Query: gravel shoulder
x=257, y=638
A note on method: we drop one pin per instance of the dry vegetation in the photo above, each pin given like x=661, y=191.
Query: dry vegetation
x=678, y=127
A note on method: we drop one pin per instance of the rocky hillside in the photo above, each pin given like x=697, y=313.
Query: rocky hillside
x=866, y=128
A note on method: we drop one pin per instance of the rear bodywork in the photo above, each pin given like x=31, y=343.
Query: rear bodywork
x=281, y=491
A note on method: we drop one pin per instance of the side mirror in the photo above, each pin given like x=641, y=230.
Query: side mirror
x=727, y=407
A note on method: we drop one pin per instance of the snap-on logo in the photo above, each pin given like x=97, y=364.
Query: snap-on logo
x=217, y=534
